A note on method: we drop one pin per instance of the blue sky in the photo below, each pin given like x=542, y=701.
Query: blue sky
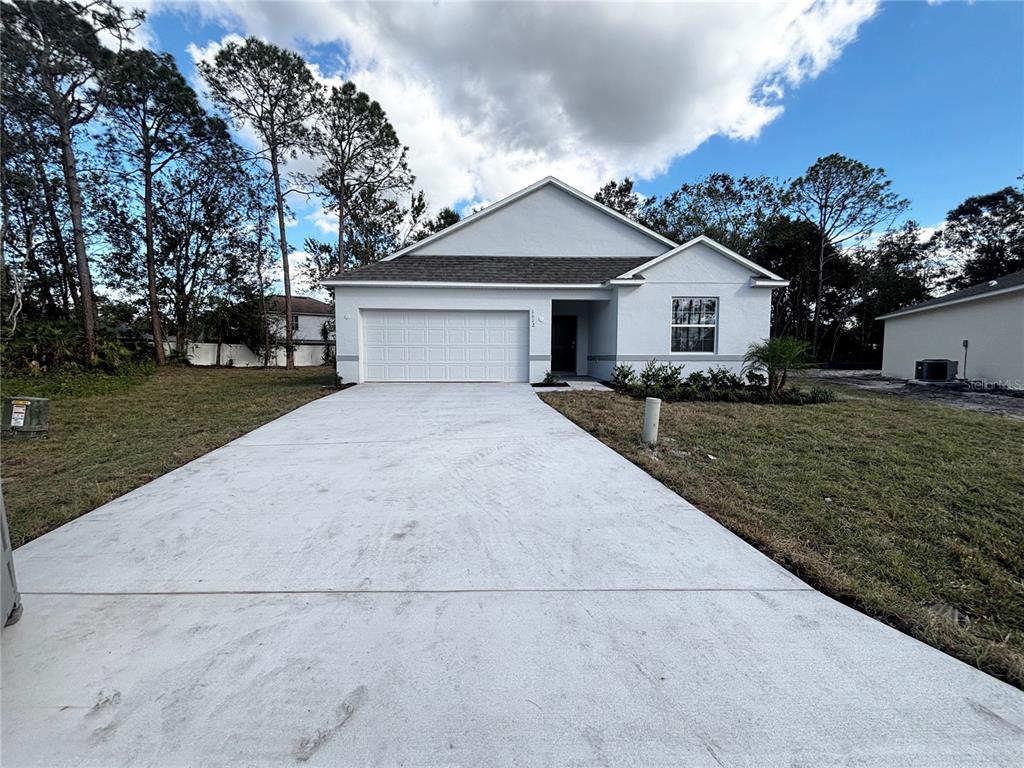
x=491, y=97
x=932, y=93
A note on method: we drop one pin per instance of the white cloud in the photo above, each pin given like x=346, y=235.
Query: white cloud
x=325, y=221
x=492, y=96
x=300, y=285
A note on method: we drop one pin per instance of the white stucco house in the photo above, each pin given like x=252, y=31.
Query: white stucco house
x=308, y=318
x=547, y=279
x=981, y=327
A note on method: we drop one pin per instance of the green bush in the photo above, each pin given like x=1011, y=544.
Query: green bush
x=657, y=378
x=112, y=355
x=39, y=346
x=774, y=359
x=718, y=384
x=623, y=376
x=74, y=381
x=821, y=395
x=549, y=379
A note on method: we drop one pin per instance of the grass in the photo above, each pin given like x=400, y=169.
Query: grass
x=112, y=434
x=913, y=513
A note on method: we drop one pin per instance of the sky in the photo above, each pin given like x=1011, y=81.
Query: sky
x=491, y=97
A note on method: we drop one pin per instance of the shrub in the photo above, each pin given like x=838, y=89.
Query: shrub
x=657, y=378
x=717, y=384
x=722, y=378
x=75, y=381
x=623, y=376
x=698, y=380
x=178, y=357
x=39, y=346
x=821, y=395
x=549, y=378
x=774, y=358
x=112, y=355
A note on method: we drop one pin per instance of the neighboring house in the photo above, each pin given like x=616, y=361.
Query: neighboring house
x=987, y=318
x=547, y=279
x=308, y=318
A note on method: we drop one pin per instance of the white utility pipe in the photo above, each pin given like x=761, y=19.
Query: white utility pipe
x=652, y=414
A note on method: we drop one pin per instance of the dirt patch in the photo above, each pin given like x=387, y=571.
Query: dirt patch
x=962, y=397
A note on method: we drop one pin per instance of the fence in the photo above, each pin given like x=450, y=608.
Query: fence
x=240, y=356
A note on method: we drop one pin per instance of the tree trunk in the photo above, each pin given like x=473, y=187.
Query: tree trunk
x=817, y=301
x=67, y=286
x=37, y=270
x=180, y=323
x=342, y=212
x=220, y=340
x=279, y=200
x=263, y=303
x=70, y=167
x=154, y=302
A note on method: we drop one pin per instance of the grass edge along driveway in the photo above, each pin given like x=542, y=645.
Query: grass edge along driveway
x=101, y=446
x=912, y=513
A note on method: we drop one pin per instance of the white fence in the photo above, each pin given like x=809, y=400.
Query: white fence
x=240, y=356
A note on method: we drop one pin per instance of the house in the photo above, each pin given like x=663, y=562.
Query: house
x=981, y=327
x=547, y=279
x=308, y=318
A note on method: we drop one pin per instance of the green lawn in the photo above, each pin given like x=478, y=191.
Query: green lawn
x=911, y=512
x=134, y=429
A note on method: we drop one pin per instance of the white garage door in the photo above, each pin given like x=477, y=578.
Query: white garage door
x=441, y=345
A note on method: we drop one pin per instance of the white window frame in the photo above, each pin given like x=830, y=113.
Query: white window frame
x=295, y=322
x=673, y=325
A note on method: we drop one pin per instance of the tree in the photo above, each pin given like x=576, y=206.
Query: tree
x=55, y=67
x=153, y=117
x=201, y=225
x=619, y=196
x=445, y=218
x=896, y=272
x=731, y=211
x=984, y=235
x=29, y=181
x=321, y=262
x=27, y=248
x=273, y=91
x=789, y=247
x=363, y=160
x=846, y=200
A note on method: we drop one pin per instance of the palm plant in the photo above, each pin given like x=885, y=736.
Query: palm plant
x=774, y=359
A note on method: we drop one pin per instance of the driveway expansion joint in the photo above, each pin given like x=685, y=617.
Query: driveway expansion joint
x=469, y=591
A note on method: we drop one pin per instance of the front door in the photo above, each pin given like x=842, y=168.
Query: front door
x=563, y=343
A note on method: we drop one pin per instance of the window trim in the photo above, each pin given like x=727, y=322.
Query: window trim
x=673, y=325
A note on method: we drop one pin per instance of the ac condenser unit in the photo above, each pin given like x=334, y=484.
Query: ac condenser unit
x=935, y=370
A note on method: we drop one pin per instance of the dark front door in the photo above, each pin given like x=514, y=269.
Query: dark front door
x=563, y=343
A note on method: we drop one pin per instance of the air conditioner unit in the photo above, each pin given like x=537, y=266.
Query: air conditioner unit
x=935, y=370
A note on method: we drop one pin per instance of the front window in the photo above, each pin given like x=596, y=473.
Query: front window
x=295, y=322
x=694, y=322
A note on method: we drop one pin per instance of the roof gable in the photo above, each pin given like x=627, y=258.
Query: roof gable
x=718, y=248
x=546, y=219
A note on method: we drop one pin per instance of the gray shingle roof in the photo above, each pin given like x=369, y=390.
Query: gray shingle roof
x=1011, y=280
x=301, y=305
x=571, y=270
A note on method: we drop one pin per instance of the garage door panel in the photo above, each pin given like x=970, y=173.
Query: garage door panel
x=445, y=345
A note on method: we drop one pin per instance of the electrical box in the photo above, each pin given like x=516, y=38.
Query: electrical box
x=25, y=417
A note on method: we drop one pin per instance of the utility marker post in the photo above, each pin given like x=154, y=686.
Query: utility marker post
x=652, y=415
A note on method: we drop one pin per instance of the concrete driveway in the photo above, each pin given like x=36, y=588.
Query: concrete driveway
x=454, y=575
